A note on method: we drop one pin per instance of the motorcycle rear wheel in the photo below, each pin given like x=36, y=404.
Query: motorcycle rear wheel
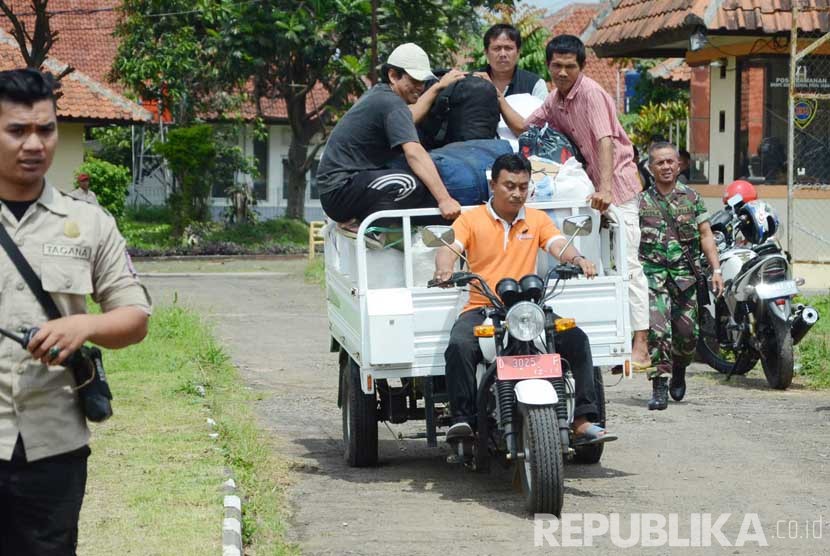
x=593, y=452
x=720, y=355
x=541, y=470
x=777, y=358
x=360, y=418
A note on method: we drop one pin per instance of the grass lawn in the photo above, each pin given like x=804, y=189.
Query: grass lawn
x=813, y=353
x=148, y=232
x=155, y=473
x=315, y=271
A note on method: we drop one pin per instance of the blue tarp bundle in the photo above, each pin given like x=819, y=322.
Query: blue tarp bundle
x=463, y=165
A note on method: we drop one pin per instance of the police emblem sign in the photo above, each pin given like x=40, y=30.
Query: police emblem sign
x=805, y=111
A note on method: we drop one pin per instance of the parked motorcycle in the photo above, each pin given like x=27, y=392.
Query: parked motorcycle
x=755, y=317
x=526, y=391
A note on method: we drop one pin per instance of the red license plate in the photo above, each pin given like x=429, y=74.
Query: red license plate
x=521, y=367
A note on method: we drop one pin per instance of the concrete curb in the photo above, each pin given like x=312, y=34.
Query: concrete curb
x=232, y=516
x=232, y=522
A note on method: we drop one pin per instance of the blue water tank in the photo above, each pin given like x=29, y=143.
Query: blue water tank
x=632, y=77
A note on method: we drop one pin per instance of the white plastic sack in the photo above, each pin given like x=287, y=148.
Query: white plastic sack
x=572, y=182
x=525, y=104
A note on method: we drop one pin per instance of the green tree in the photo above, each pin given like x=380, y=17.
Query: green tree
x=175, y=50
x=654, y=91
x=277, y=50
x=190, y=153
x=528, y=20
x=114, y=144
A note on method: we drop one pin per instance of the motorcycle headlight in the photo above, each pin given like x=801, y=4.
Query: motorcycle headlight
x=525, y=321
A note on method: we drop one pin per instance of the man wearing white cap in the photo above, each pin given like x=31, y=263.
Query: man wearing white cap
x=353, y=178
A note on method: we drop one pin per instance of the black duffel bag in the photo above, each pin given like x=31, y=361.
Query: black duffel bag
x=467, y=109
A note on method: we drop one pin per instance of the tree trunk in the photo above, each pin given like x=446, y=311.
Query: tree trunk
x=297, y=155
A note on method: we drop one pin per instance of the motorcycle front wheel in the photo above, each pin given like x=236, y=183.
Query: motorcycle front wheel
x=777, y=356
x=714, y=347
x=541, y=470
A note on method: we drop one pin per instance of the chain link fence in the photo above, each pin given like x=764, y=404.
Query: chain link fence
x=808, y=173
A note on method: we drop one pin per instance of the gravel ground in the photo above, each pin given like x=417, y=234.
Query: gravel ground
x=737, y=448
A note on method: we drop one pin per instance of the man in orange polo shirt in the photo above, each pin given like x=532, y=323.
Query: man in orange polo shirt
x=502, y=239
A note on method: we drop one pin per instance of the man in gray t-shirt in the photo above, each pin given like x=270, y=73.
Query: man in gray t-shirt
x=353, y=179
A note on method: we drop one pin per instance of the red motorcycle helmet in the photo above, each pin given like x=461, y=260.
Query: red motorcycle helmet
x=742, y=188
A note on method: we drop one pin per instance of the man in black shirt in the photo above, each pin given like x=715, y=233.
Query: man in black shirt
x=502, y=47
x=353, y=177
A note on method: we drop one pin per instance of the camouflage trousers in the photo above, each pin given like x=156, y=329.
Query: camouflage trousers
x=672, y=335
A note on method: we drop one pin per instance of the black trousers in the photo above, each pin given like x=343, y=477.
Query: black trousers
x=463, y=354
x=40, y=502
x=375, y=190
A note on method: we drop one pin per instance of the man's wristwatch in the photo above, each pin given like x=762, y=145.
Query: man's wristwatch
x=573, y=260
x=717, y=271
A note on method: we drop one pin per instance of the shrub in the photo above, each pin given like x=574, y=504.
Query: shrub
x=109, y=182
x=190, y=153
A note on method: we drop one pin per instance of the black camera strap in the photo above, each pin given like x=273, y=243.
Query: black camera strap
x=28, y=274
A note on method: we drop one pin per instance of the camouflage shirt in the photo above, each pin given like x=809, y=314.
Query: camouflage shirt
x=661, y=251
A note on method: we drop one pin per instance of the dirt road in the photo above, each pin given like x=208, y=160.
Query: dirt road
x=762, y=456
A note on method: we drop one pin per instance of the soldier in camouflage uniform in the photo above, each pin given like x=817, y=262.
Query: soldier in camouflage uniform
x=671, y=283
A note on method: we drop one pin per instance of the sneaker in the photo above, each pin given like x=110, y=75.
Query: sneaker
x=459, y=431
x=375, y=240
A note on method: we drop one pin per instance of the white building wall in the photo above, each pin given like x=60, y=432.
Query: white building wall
x=722, y=121
x=68, y=156
x=279, y=140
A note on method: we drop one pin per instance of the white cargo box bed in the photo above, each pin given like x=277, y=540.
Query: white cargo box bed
x=383, y=315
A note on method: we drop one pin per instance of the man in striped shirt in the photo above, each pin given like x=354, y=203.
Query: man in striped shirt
x=581, y=109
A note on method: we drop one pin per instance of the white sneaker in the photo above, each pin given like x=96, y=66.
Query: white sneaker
x=459, y=431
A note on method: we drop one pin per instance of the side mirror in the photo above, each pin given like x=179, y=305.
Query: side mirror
x=572, y=226
x=581, y=225
x=437, y=236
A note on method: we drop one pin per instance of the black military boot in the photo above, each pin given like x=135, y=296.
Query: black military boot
x=659, y=393
x=677, y=384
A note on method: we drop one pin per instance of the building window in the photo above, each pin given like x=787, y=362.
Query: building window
x=225, y=177
x=761, y=138
x=261, y=161
x=311, y=180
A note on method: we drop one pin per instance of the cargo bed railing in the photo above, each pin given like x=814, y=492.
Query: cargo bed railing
x=616, y=258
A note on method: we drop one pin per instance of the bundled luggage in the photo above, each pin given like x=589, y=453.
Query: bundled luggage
x=546, y=142
x=466, y=110
x=463, y=167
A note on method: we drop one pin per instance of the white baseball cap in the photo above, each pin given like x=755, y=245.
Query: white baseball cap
x=413, y=60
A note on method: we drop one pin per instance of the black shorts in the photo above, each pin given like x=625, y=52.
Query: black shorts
x=373, y=191
x=40, y=502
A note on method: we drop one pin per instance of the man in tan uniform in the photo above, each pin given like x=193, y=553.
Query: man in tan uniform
x=82, y=192
x=76, y=250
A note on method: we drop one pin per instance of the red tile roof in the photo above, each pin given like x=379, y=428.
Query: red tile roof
x=574, y=20
x=772, y=16
x=633, y=25
x=86, y=42
x=85, y=30
x=83, y=98
x=672, y=69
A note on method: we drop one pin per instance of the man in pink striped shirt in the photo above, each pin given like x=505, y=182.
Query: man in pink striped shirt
x=581, y=109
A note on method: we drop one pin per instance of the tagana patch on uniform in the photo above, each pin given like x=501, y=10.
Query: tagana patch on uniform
x=70, y=251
